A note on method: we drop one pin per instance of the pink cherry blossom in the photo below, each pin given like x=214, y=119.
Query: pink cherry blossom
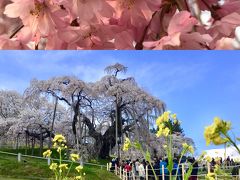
x=88, y=10
x=119, y=24
x=88, y=36
x=133, y=12
x=181, y=23
x=6, y=43
x=41, y=16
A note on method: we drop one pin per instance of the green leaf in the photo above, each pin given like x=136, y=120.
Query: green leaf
x=189, y=172
x=170, y=166
x=170, y=162
x=238, y=139
x=137, y=145
x=148, y=156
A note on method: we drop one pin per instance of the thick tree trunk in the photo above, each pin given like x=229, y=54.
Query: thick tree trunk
x=52, y=127
x=108, y=140
x=32, y=145
x=75, y=120
x=41, y=142
x=104, y=150
x=26, y=140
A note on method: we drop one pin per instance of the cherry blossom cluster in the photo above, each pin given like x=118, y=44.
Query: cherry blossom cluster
x=119, y=24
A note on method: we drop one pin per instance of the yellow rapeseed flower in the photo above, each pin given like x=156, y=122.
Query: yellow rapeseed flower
x=59, y=149
x=159, y=120
x=53, y=166
x=79, y=168
x=78, y=177
x=59, y=138
x=210, y=176
x=166, y=116
x=219, y=140
x=188, y=148
x=166, y=131
x=74, y=157
x=185, y=145
x=127, y=144
x=213, y=133
x=63, y=166
x=208, y=159
x=55, y=145
x=174, y=116
x=191, y=149
x=47, y=153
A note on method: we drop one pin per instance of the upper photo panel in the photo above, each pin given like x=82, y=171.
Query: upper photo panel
x=119, y=24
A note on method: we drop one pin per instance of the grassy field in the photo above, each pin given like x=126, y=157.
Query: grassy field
x=37, y=169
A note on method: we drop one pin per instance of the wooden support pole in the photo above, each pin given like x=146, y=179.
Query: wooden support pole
x=116, y=169
x=238, y=172
x=48, y=161
x=147, y=172
x=120, y=172
x=163, y=176
x=209, y=170
x=133, y=175
x=124, y=174
x=19, y=157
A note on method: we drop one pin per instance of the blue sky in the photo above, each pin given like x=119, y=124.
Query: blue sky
x=197, y=85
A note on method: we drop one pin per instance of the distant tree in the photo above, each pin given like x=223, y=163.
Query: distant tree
x=10, y=104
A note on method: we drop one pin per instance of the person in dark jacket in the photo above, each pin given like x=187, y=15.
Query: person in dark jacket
x=113, y=162
x=195, y=170
x=235, y=171
x=156, y=168
x=175, y=165
x=150, y=171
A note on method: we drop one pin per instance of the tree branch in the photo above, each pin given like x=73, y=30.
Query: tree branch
x=16, y=31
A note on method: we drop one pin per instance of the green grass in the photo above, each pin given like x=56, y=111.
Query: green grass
x=54, y=154
x=31, y=168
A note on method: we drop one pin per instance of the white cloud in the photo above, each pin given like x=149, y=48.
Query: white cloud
x=88, y=73
x=230, y=151
x=165, y=78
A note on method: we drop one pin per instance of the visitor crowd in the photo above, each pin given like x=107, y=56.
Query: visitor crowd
x=138, y=167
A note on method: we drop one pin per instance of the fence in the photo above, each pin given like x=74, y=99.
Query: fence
x=48, y=160
x=124, y=175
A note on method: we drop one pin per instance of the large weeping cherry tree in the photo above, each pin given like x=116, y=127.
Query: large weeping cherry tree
x=125, y=100
x=101, y=106
x=95, y=117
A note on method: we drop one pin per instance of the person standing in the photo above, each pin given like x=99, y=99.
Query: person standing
x=235, y=171
x=141, y=171
x=156, y=168
x=137, y=167
x=194, y=170
x=128, y=168
x=164, y=163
